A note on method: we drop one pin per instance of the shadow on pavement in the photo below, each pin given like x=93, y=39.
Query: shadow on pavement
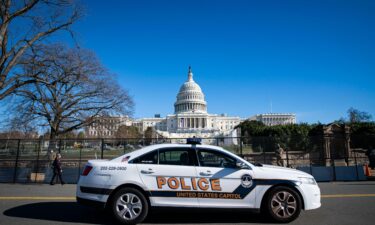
x=72, y=212
x=367, y=184
x=181, y=216
x=61, y=212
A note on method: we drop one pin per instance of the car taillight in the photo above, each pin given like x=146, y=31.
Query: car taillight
x=87, y=170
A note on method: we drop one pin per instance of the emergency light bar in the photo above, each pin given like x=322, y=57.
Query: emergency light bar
x=194, y=141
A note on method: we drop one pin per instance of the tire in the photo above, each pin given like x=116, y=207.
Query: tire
x=283, y=204
x=129, y=206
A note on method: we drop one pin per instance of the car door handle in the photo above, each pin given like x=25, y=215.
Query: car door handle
x=150, y=171
x=208, y=173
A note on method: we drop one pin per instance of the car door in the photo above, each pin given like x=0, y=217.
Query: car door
x=169, y=176
x=229, y=185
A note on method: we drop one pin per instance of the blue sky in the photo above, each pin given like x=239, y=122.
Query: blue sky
x=313, y=58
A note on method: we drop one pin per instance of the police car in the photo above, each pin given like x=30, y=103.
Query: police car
x=194, y=175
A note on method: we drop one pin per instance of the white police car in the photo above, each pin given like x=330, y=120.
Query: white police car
x=191, y=175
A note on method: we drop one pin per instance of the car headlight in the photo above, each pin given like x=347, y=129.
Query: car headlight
x=307, y=180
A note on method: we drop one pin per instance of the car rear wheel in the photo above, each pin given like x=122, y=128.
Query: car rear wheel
x=283, y=204
x=129, y=206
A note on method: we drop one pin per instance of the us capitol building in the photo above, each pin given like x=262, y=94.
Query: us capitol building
x=190, y=118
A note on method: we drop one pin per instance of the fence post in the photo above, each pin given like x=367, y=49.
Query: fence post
x=16, y=164
x=123, y=145
x=264, y=156
x=79, y=163
x=217, y=141
x=241, y=147
x=102, y=153
x=287, y=158
x=37, y=160
x=60, y=146
x=334, y=169
x=356, y=166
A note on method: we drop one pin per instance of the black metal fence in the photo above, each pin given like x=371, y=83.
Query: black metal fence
x=24, y=161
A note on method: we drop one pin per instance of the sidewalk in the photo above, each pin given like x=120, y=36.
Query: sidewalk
x=372, y=177
x=38, y=190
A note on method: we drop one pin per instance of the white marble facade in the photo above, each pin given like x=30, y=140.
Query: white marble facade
x=107, y=126
x=272, y=119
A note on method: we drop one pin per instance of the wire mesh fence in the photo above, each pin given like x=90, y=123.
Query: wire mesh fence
x=25, y=161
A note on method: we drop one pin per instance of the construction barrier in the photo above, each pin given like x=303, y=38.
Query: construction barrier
x=337, y=173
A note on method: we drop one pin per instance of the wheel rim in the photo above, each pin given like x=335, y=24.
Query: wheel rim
x=284, y=204
x=128, y=206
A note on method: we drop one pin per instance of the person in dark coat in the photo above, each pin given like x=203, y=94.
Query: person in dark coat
x=57, y=171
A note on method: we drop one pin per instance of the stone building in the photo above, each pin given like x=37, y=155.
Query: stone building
x=272, y=119
x=107, y=126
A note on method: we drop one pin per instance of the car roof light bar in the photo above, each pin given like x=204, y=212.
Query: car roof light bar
x=194, y=141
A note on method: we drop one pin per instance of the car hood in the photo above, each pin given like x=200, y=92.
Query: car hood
x=278, y=172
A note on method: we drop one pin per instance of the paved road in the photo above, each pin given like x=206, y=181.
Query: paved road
x=343, y=203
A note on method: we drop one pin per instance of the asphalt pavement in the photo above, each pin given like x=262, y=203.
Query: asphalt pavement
x=342, y=203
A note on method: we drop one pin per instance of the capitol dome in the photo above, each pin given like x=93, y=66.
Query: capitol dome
x=190, y=98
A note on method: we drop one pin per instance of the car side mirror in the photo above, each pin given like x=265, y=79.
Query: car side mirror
x=241, y=165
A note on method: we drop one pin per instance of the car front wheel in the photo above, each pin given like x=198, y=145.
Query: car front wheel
x=129, y=206
x=283, y=204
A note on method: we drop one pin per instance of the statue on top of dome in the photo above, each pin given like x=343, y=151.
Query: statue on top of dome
x=190, y=74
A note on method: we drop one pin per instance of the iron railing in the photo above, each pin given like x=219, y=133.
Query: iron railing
x=29, y=160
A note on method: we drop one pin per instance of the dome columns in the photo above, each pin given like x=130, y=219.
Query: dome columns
x=190, y=97
x=190, y=107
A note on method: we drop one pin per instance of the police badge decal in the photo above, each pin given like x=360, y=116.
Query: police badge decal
x=246, y=181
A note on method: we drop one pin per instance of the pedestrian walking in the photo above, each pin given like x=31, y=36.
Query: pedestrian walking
x=371, y=157
x=280, y=156
x=57, y=170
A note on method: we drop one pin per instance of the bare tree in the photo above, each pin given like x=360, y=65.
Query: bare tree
x=74, y=90
x=16, y=130
x=357, y=116
x=22, y=25
x=18, y=134
x=128, y=132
